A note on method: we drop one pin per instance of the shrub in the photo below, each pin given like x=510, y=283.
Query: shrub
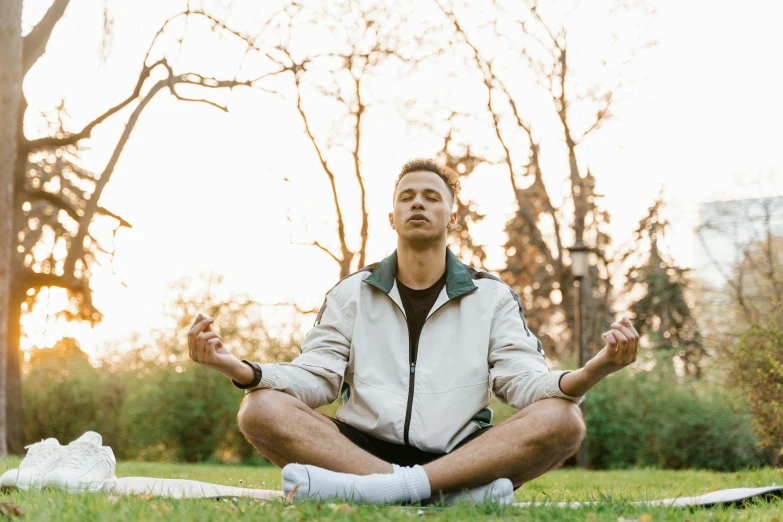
x=64, y=396
x=649, y=419
x=186, y=415
x=756, y=361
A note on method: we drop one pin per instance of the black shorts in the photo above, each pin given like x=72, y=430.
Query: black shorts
x=394, y=453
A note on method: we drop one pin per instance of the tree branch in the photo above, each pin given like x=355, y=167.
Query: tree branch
x=329, y=175
x=106, y=212
x=38, y=279
x=35, y=42
x=357, y=171
x=29, y=145
x=320, y=246
x=56, y=200
x=77, y=247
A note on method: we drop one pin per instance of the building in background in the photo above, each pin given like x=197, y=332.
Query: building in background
x=727, y=228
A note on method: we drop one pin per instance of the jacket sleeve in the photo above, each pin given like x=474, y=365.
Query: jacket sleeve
x=518, y=370
x=316, y=376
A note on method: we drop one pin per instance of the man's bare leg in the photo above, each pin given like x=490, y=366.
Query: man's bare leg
x=527, y=445
x=285, y=430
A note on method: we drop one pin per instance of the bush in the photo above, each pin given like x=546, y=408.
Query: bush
x=63, y=394
x=649, y=419
x=756, y=361
x=186, y=415
x=158, y=412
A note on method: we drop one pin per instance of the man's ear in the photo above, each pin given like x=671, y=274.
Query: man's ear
x=452, y=221
x=391, y=220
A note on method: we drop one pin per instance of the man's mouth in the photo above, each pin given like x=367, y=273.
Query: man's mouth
x=417, y=218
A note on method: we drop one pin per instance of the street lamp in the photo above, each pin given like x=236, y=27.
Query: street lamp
x=579, y=266
x=579, y=254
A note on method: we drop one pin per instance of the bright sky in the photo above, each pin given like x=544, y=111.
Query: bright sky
x=204, y=190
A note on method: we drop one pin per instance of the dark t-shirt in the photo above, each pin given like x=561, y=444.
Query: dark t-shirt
x=417, y=304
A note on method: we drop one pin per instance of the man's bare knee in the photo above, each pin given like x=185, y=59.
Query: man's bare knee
x=266, y=415
x=261, y=411
x=570, y=425
x=563, y=421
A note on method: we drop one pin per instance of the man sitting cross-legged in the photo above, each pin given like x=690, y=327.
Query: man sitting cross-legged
x=415, y=344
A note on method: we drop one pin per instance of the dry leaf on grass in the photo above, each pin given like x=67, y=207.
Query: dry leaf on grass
x=145, y=496
x=113, y=499
x=340, y=507
x=644, y=518
x=291, y=493
x=9, y=509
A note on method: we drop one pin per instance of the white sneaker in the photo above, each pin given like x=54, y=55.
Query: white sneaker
x=86, y=466
x=42, y=457
x=90, y=436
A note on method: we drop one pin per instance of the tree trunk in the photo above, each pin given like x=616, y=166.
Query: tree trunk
x=14, y=413
x=11, y=52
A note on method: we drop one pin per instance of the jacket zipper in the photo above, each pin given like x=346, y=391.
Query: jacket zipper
x=413, y=349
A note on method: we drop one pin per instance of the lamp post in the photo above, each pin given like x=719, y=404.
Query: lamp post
x=579, y=260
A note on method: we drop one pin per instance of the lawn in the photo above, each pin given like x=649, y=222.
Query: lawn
x=618, y=488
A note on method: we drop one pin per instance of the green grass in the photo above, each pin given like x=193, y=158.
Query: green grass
x=621, y=487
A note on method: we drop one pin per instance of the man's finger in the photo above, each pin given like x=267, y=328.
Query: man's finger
x=206, y=336
x=192, y=335
x=201, y=326
x=627, y=323
x=210, y=347
x=628, y=334
x=622, y=342
x=633, y=336
x=611, y=342
x=209, y=326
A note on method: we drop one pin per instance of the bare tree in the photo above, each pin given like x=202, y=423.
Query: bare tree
x=738, y=240
x=340, y=74
x=540, y=231
x=57, y=201
x=10, y=100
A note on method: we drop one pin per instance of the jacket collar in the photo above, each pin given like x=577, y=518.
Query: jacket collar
x=458, y=280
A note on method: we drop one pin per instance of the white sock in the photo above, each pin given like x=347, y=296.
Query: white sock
x=404, y=485
x=500, y=491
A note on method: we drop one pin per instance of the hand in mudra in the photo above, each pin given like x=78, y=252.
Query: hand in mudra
x=622, y=347
x=206, y=347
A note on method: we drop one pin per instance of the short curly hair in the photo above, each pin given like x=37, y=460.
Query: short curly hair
x=449, y=177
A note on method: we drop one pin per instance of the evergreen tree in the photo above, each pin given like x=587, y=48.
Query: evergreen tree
x=663, y=313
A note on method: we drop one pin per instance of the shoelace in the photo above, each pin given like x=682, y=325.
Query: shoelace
x=77, y=454
x=37, y=452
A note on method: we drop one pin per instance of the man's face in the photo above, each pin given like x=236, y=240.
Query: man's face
x=422, y=208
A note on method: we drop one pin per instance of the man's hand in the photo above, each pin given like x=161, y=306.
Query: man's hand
x=622, y=346
x=206, y=347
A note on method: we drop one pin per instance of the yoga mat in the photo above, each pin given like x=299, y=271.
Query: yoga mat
x=178, y=488
x=726, y=497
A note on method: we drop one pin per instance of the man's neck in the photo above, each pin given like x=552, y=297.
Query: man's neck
x=420, y=268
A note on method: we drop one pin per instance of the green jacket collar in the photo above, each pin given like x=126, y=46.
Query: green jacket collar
x=458, y=280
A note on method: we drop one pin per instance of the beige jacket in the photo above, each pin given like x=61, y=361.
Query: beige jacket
x=474, y=340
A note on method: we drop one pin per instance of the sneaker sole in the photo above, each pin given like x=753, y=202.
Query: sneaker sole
x=92, y=487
